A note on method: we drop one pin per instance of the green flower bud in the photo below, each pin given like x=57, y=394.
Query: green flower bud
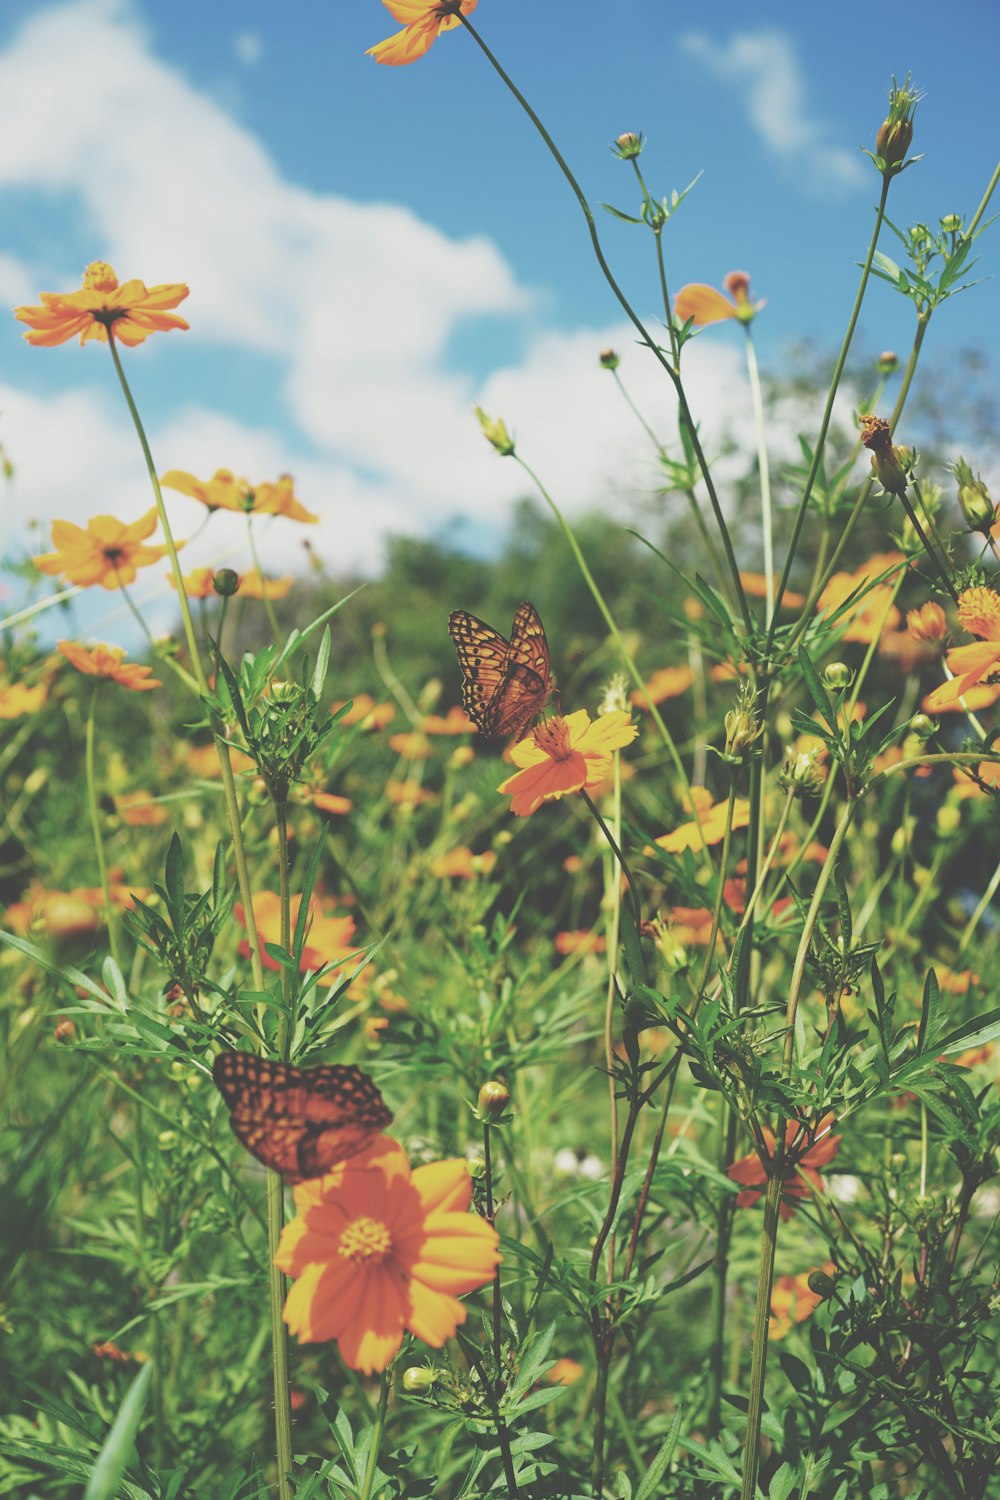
x=494, y=1098
x=476, y=1168
x=821, y=1284
x=887, y=362
x=923, y=725
x=167, y=1140
x=225, y=582
x=802, y=772
x=895, y=134
x=973, y=497
x=837, y=675
x=629, y=145
x=948, y=820
x=743, y=727
x=951, y=223
x=495, y=432
x=609, y=359
x=897, y=1162
x=418, y=1380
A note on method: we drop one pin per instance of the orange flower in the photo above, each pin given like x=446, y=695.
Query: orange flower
x=364, y=711
x=224, y=491
x=462, y=864
x=871, y=614
x=203, y=760
x=755, y=587
x=254, y=585
x=565, y=755
x=710, y=818
x=979, y=613
x=109, y=552
x=108, y=661
x=455, y=721
x=408, y=794
x=138, y=810
x=329, y=933
x=18, y=699
x=198, y=584
x=379, y=1248
x=422, y=21
x=705, y=305
x=585, y=941
x=564, y=1372
x=805, y=1151
x=928, y=623
x=411, y=744
x=330, y=802
x=792, y=1300
x=133, y=311
x=667, y=682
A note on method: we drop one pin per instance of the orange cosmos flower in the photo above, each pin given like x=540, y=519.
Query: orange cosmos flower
x=18, y=699
x=873, y=612
x=710, y=818
x=254, y=585
x=139, y=810
x=108, y=552
x=667, y=682
x=203, y=760
x=455, y=721
x=705, y=305
x=198, y=584
x=329, y=802
x=329, y=933
x=979, y=613
x=755, y=587
x=805, y=1151
x=408, y=794
x=109, y=661
x=411, y=744
x=565, y=755
x=379, y=1249
x=422, y=21
x=792, y=1301
x=583, y=941
x=224, y=491
x=928, y=623
x=132, y=311
x=462, y=864
x=564, y=1372
x=364, y=711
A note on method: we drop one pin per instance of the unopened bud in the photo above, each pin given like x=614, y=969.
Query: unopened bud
x=821, y=1284
x=837, y=675
x=669, y=946
x=897, y=1162
x=948, y=819
x=803, y=773
x=609, y=359
x=167, y=1140
x=628, y=145
x=225, y=582
x=64, y=1031
x=951, y=223
x=743, y=727
x=494, y=1098
x=476, y=1168
x=614, y=698
x=495, y=432
x=923, y=726
x=973, y=497
x=896, y=131
x=887, y=362
x=418, y=1380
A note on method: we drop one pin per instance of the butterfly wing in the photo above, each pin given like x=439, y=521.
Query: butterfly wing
x=300, y=1121
x=482, y=656
x=527, y=678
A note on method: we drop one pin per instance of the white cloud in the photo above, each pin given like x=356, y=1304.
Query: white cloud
x=764, y=66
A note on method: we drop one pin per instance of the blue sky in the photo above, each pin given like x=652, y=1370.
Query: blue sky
x=371, y=250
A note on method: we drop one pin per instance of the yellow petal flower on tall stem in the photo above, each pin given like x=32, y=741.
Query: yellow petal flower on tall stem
x=109, y=661
x=227, y=491
x=379, y=1249
x=423, y=20
x=106, y=551
x=131, y=309
x=563, y=755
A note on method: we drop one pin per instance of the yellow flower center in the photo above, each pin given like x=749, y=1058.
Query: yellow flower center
x=979, y=612
x=553, y=738
x=365, y=1239
x=99, y=277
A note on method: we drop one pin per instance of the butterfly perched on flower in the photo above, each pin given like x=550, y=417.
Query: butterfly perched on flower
x=505, y=684
x=300, y=1121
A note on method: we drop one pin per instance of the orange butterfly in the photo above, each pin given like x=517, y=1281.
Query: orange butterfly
x=300, y=1121
x=505, y=684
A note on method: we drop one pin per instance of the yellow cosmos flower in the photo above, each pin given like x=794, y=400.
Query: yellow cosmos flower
x=132, y=311
x=254, y=585
x=18, y=699
x=710, y=819
x=109, y=661
x=565, y=755
x=979, y=613
x=378, y=1249
x=705, y=305
x=225, y=491
x=108, y=552
x=422, y=21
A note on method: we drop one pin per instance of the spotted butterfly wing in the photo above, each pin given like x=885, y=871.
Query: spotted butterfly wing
x=505, y=684
x=300, y=1121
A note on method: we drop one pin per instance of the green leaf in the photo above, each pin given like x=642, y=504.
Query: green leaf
x=817, y=691
x=322, y=663
x=173, y=875
x=115, y=981
x=974, y=1033
x=658, y=1467
x=931, y=1019
x=67, y=973
x=119, y=1444
x=617, y=213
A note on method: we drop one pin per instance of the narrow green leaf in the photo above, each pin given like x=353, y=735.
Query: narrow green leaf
x=322, y=663
x=67, y=973
x=817, y=691
x=658, y=1467
x=106, y=1475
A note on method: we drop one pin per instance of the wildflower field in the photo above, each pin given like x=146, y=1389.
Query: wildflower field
x=523, y=1026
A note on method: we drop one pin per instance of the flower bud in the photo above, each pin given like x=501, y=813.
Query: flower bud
x=803, y=773
x=461, y=756
x=901, y=837
x=609, y=359
x=743, y=727
x=923, y=726
x=476, y=1168
x=225, y=582
x=887, y=362
x=928, y=623
x=628, y=145
x=494, y=1098
x=64, y=1031
x=973, y=497
x=418, y=1380
x=495, y=432
x=167, y=1140
x=887, y=460
x=952, y=223
x=897, y=1162
x=948, y=820
x=896, y=131
x=837, y=675
x=821, y=1284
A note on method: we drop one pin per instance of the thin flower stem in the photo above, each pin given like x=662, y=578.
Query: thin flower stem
x=824, y=425
x=371, y=1467
x=272, y=618
x=503, y=1435
x=633, y=317
x=925, y=542
x=720, y=885
x=632, y=890
x=766, y=866
x=981, y=906
x=765, y=476
x=110, y=915
x=609, y=620
x=490, y=1217
x=613, y=896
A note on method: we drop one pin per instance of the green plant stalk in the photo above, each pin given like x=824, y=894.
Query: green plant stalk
x=159, y=1416
x=772, y=1199
x=753, y=374
x=768, y=861
x=275, y=1194
x=824, y=426
x=981, y=906
x=110, y=915
x=496, y=1389
x=371, y=1467
x=720, y=885
x=630, y=313
x=612, y=896
x=609, y=620
x=272, y=618
x=616, y=848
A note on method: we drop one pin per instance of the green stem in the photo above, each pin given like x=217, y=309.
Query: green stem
x=824, y=426
x=720, y=885
x=272, y=618
x=613, y=895
x=632, y=316
x=765, y=477
x=371, y=1467
x=110, y=916
x=632, y=890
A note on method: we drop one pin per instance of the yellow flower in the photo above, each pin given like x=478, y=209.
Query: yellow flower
x=109, y=661
x=132, y=311
x=108, y=552
x=254, y=585
x=979, y=613
x=928, y=623
x=422, y=21
x=705, y=305
x=378, y=1249
x=18, y=699
x=198, y=584
x=710, y=819
x=565, y=755
x=224, y=491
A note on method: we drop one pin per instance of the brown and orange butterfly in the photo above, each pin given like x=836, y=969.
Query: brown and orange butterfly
x=300, y=1121
x=505, y=684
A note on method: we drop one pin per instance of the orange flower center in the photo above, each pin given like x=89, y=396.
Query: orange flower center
x=979, y=612
x=99, y=277
x=553, y=738
x=365, y=1239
